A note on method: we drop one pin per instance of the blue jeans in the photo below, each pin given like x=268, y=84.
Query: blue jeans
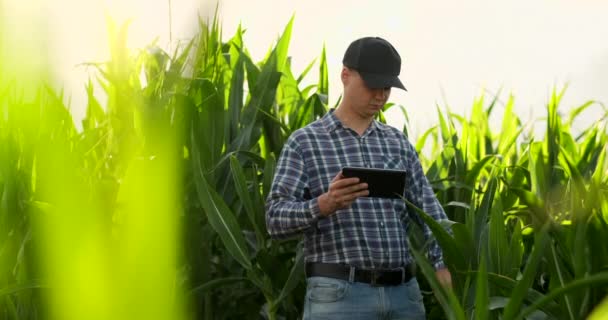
x=329, y=298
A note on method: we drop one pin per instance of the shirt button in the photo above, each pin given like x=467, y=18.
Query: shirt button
x=382, y=224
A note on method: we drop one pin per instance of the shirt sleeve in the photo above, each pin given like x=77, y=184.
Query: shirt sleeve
x=288, y=211
x=424, y=198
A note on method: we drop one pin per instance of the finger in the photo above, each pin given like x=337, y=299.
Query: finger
x=363, y=193
x=346, y=201
x=345, y=182
x=339, y=176
x=351, y=197
x=360, y=187
x=340, y=198
x=352, y=189
x=351, y=193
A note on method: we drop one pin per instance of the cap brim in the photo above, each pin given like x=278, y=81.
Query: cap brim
x=376, y=81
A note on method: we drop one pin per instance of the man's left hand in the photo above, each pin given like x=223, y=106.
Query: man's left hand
x=444, y=277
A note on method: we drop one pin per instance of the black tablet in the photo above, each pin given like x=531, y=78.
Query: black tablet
x=381, y=183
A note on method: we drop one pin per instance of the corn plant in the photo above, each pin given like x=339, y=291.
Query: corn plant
x=529, y=227
x=155, y=208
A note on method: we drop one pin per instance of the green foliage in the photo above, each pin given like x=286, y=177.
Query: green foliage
x=529, y=214
x=184, y=151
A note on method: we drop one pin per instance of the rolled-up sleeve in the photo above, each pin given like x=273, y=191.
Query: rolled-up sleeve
x=288, y=211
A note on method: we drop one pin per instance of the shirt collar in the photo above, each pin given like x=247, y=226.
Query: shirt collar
x=331, y=123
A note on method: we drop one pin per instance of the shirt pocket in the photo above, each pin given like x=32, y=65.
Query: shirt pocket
x=394, y=163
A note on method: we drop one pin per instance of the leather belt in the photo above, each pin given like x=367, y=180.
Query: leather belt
x=374, y=277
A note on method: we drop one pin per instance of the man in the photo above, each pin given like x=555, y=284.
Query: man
x=358, y=264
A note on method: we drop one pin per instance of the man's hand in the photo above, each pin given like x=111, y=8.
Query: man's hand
x=341, y=194
x=444, y=277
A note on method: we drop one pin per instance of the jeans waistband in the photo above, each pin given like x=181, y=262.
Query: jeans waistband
x=391, y=277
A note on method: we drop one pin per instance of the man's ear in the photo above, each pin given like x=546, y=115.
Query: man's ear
x=344, y=75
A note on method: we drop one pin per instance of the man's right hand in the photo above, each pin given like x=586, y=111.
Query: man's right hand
x=341, y=194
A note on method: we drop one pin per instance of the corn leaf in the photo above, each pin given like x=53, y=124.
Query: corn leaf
x=447, y=298
x=519, y=292
x=244, y=193
x=482, y=292
x=219, y=215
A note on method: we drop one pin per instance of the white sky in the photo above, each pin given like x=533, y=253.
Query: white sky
x=454, y=49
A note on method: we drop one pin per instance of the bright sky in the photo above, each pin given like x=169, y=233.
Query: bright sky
x=451, y=49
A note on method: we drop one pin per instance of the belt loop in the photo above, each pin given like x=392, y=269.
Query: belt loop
x=403, y=274
x=351, y=274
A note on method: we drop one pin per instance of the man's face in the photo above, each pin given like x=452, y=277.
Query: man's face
x=365, y=100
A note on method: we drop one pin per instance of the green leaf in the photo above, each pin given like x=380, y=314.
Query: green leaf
x=458, y=204
x=282, y=47
x=219, y=215
x=210, y=285
x=262, y=98
x=498, y=242
x=446, y=297
x=498, y=302
x=599, y=172
x=570, y=166
x=536, y=206
x=538, y=169
x=519, y=293
x=575, y=112
x=450, y=249
x=17, y=288
x=516, y=250
x=560, y=276
x=553, y=135
x=464, y=242
x=209, y=122
x=295, y=276
x=245, y=196
x=506, y=285
x=235, y=99
x=482, y=291
x=422, y=140
x=253, y=73
x=269, y=167
x=482, y=214
x=305, y=72
x=600, y=312
x=446, y=133
x=473, y=174
x=323, y=76
x=509, y=132
x=599, y=279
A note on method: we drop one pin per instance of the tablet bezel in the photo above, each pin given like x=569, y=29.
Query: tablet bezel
x=382, y=183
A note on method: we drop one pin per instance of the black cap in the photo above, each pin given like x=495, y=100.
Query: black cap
x=376, y=60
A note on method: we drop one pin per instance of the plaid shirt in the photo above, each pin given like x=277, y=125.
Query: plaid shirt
x=371, y=233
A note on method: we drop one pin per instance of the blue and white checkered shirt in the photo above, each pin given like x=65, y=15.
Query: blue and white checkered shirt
x=371, y=233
